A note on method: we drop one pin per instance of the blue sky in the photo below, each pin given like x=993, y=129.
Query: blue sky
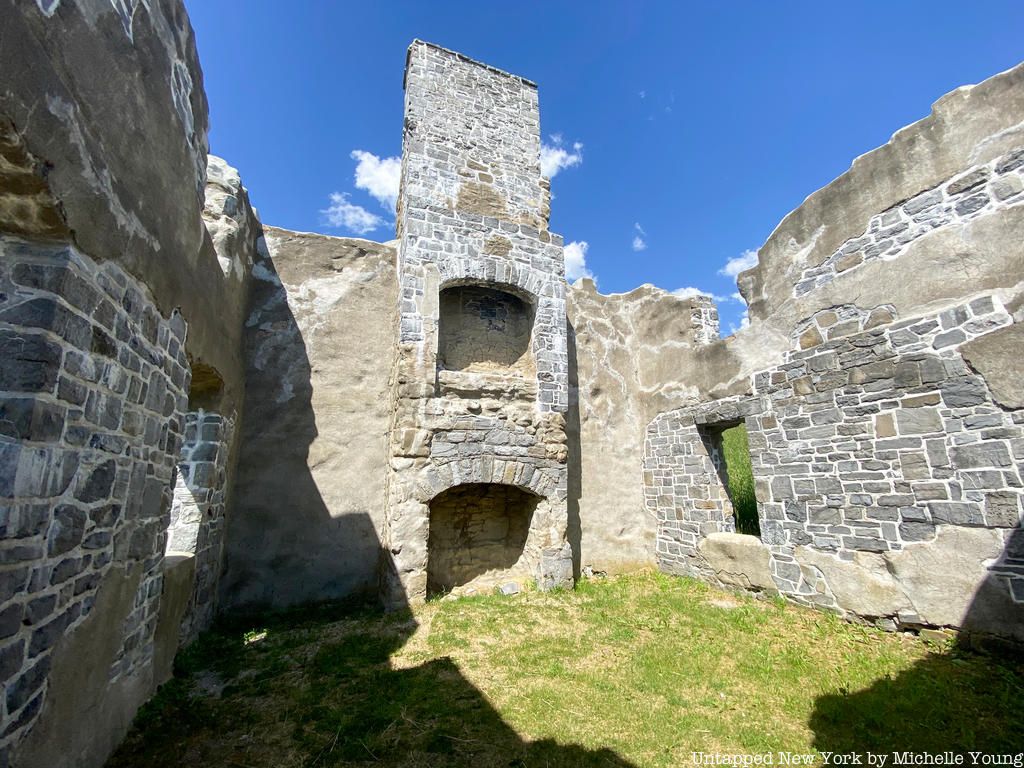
x=687, y=130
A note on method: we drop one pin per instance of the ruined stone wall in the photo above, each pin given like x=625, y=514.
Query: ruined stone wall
x=888, y=479
x=309, y=495
x=886, y=433
x=92, y=388
x=921, y=223
x=107, y=258
x=631, y=356
x=117, y=164
x=198, y=511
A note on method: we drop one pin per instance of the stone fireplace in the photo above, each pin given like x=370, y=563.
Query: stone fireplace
x=478, y=535
x=477, y=478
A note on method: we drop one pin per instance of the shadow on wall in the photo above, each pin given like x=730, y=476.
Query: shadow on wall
x=283, y=546
x=939, y=704
x=574, y=531
x=346, y=702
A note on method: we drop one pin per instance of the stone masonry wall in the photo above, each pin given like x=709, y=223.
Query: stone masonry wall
x=888, y=478
x=932, y=216
x=197, y=511
x=482, y=329
x=92, y=391
x=473, y=210
x=632, y=356
x=884, y=401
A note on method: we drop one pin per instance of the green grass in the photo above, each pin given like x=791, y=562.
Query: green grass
x=741, y=479
x=639, y=670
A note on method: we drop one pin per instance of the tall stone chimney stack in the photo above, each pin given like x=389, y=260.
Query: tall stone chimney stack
x=477, y=478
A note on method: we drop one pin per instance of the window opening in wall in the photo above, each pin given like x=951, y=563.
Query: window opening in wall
x=739, y=478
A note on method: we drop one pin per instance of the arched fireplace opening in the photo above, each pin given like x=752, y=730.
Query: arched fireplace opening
x=478, y=534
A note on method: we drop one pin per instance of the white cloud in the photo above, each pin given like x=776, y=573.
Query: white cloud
x=689, y=292
x=576, y=261
x=639, y=243
x=737, y=296
x=744, y=323
x=342, y=213
x=554, y=157
x=744, y=261
x=380, y=177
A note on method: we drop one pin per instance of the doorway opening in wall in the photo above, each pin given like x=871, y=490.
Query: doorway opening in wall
x=477, y=536
x=739, y=476
x=729, y=449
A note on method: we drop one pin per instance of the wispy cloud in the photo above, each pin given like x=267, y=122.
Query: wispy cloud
x=689, y=291
x=378, y=176
x=576, y=261
x=744, y=261
x=554, y=157
x=639, y=241
x=642, y=94
x=355, y=218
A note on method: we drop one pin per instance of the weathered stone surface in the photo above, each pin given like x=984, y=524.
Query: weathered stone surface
x=979, y=130
x=941, y=577
x=862, y=585
x=996, y=356
x=739, y=561
x=130, y=207
x=848, y=492
x=198, y=513
x=630, y=356
x=465, y=313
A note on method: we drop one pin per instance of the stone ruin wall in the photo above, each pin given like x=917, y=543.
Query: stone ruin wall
x=140, y=296
x=310, y=528
x=887, y=435
x=122, y=273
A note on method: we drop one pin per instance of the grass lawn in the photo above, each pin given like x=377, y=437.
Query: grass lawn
x=639, y=670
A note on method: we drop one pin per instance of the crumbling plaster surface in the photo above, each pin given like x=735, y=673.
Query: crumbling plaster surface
x=319, y=339
x=968, y=128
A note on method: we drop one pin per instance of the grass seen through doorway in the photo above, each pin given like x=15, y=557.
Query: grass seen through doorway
x=736, y=452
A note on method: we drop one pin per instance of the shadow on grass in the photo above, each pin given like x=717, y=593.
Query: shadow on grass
x=316, y=687
x=943, y=703
x=958, y=701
